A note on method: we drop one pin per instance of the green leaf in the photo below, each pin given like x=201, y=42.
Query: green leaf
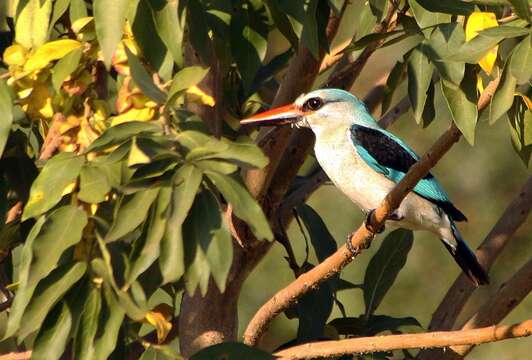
x=186, y=78
x=188, y=180
x=231, y=351
x=313, y=32
x=429, y=112
x=505, y=31
x=443, y=42
x=77, y=10
x=393, y=81
x=371, y=38
x=109, y=18
x=152, y=47
x=65, y=67
x=503, y=98
x=426, y=18
x=47, y=190
x=84, y=342
x=6, y=111
x=462, y=103
x=53, y=337
x=520, y=121
x=48, y=292
x=453, y=7
x=117, y=134
x=419, y=77
x=475, y=49
x=249, y=34
x=320, y=237
x=521, y=61
x=209, y=245
x=244, y=206
x=378, y=8
x=169, y=27
x=156, y=229
x=282, y=22
x=143, y=79
x=111, y=321
x=46, y=242
x=131, y=213
x=384, y=267
x=160, y=352
x=521, y=8
x=93, y=184
x=59, y=9
x=31, y=22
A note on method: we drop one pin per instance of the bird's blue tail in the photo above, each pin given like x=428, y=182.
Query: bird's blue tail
x=466, y=258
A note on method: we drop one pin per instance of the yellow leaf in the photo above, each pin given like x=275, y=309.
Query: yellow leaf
x=69, y=188
x=39, y=102
x=133, y=115
x=136, y=155
x=477, y=22
x=94, y=208
x=49, y=52
x=480, y=84
x=81, y=23
x=15, y=55
x=160, y=322
x=198, y=95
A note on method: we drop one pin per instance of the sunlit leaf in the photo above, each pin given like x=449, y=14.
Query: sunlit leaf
x=521, y=61
x=49, y=52
x=93, y=184
x=419, y=76
x=65, y=67
x=426, y=18
x=109, y=20
x=46, y=242
x=84, y=344
x=31, y=22
x=172, y=260
x=48, y=292
x=54, y=334
x=169, y=27
x=132, y=212
x=47, y=189
x=462, y=103
x=477, y=22
x=120, y=133
x=6, y=114
x=244, y=206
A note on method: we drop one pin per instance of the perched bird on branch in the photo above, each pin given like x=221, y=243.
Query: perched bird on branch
x=365, y=162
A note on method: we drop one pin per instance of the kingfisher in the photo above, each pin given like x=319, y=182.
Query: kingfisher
x=365, y=162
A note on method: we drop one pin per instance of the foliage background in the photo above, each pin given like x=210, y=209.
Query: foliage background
x=480, y=180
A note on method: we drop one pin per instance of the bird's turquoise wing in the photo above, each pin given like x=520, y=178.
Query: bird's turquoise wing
x=388, y=155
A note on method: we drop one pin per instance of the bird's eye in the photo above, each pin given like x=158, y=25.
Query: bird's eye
x=313, y=104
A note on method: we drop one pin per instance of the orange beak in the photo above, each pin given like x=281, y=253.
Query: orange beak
x=279, y=116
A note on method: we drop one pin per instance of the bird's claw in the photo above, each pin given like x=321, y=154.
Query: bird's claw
x=355, y=250
x=369, y=223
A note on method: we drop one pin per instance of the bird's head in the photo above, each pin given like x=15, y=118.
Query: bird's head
x=319, y=109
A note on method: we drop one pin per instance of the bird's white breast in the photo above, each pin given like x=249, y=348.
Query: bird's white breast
x=366, y=187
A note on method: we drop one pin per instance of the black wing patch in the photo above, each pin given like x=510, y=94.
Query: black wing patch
x=392, y=155
x=386, y=151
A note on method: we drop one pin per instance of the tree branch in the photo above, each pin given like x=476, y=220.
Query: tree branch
x=326, y=349
x=361, y=238
x=513, y=217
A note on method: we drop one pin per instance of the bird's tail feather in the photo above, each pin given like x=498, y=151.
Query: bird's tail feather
x=466, y=258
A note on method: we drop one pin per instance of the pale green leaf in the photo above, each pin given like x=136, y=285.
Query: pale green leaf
x=109, y=18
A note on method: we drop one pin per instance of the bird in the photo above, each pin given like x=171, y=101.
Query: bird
x=365, y=162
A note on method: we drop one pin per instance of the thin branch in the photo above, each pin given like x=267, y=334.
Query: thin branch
x=395, y=112
x=361, y=238
x=328, y=349
x=509, y=295
x=513, y=217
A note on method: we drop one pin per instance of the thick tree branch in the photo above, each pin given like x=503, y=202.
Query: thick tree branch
x=513, y=217
x=361, y=238
x=329, y=349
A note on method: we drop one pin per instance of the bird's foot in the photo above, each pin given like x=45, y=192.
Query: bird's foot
x=395, y=216
x=369, y=223
x=355, y=250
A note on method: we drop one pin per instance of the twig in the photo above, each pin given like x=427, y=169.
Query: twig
x=53, y=137
x=16, y=356
x=14, y=213
x=509, y=295
x=395, y=112
x=513, y=217
x=326, y=349
x=361, y=238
